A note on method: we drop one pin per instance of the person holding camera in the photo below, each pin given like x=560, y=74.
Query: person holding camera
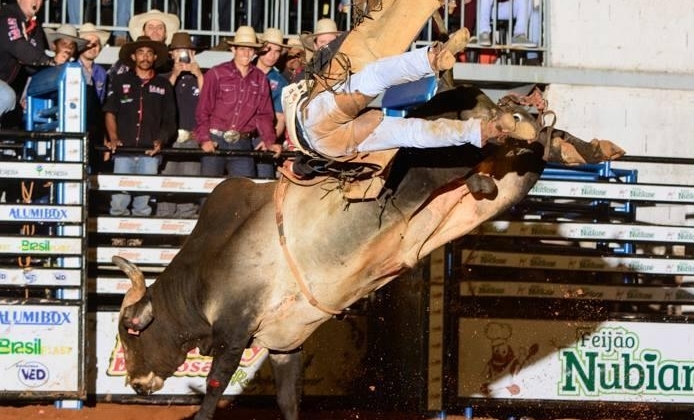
x=187, y=79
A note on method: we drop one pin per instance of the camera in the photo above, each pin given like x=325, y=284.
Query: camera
x=183, y=57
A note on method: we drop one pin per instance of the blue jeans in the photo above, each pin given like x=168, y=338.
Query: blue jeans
x=8, y=98
x=136, y=165
x=264, y=170
x=235, y=166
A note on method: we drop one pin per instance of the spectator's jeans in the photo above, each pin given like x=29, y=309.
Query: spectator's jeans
x=235, y=166
x=8, y=98
x=264, y=169
x=521, y=12
x=137, y=165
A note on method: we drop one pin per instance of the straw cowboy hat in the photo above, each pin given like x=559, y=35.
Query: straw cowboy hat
x=137, y=23
x=90, y=29
x=144, y=41
x=273, y=36
x=67, y=32
x=323, y=26
x=181, y=40
x=245, y=37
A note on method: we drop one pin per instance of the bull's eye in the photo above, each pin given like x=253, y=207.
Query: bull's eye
x=518, y=117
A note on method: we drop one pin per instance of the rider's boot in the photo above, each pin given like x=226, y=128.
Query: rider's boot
x=442, y=56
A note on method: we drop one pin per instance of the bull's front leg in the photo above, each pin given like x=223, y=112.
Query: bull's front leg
x=226, y=359
x=287, y=369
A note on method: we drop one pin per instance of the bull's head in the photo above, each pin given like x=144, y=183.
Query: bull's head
x=148, y=359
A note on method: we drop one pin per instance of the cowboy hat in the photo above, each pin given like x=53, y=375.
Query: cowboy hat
x=68, y=32
x=323, y=27
x=273, y=36
x=90, y=29
x=144, y=41
x=245, y=37
x=137, y=23
x=181, y=40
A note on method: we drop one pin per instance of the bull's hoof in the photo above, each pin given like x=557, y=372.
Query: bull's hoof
x=481, y=184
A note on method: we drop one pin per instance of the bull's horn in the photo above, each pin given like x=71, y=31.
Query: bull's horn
x=137, y=291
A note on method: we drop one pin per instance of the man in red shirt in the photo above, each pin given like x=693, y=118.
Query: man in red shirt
x=235, y=108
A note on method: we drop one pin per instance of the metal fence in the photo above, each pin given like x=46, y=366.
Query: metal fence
x=209, y=21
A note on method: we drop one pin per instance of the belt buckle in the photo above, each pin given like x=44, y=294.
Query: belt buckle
x=231, y=136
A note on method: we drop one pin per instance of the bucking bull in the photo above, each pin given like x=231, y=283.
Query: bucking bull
x=266, y=264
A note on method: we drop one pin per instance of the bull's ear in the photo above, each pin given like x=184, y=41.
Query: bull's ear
x=138, y=316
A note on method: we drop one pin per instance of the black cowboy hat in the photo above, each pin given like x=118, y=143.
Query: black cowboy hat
x=144, y=41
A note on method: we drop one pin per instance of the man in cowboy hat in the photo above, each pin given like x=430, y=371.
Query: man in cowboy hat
x=273, y=48
x=140, y=111
x=186, y=79
x=94, y=74
x=234, y=109
x=325, y=33
x=293, y=63
x=156, y=25
x=65, y=43
x=96, y=80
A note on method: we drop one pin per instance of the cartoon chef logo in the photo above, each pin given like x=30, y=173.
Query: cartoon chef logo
x=503, y=363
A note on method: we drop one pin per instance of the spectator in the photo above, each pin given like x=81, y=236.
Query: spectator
x=273, y=48
x=186, y=79
x=157, y=26
x=235, y=108
x=95, y=78
x=65, y=43
x=521, y=14
x=333, y=124
x=94, y=74
x=293, y=63
x=325, y=32
x=22, y=45
x=139, y=112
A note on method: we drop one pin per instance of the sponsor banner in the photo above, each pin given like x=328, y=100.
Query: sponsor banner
x=502, y=288
x=156, y=183
x=39, y=348
x=160, y=256
x=40, y=245
x=589, y=231
x=614, y=191
x=38, y=213
x=41, y=170
x=41, y=277
x=144, y=226
x=664, y=265
x=188, y=380
x=113, y=285
x=575, y=361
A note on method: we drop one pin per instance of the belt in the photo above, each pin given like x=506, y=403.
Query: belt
x=233, y=136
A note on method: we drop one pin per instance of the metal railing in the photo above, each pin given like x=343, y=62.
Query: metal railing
x=209, y=21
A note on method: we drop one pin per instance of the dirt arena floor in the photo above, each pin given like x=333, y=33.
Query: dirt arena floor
x=113, y=411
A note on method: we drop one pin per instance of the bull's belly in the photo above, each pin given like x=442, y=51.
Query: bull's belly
x=287, y=329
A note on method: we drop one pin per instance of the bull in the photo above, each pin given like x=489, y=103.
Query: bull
x=266, y=264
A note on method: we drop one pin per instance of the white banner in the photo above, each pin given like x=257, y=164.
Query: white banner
x=41, y=170
x=188, y=380
x=576, y=361
x=39, y=348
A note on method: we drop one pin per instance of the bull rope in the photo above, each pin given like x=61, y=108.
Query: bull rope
x=280, y=194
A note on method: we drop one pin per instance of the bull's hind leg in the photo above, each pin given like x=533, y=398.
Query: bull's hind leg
x=287, y=369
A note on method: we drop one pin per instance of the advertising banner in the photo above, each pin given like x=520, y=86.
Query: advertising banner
x=188, y=380
x=576, y=361
x=39, y=348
